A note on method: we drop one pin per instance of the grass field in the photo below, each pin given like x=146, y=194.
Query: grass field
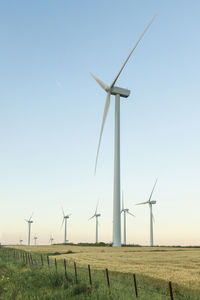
x=24, y=276
x=180, y=265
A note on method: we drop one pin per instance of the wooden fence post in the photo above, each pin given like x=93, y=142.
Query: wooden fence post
x=90, y=277
x=48, y=260
x=135, y=285
x=42, y=260
x=170, y=290
x=65, y=269
x=107, y=276
x=75, y=272
x=56, y=265
x=31, y=259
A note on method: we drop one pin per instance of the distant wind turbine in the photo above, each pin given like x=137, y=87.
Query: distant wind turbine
x=51, y=240
x=117, y=92
x=150, y=202
x=20, y=241
x=35, y=240
x=65, y=217
x=125, y=211
x=96, y=215
x=29, y=229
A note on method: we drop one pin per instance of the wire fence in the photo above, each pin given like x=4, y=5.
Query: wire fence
x=74, y=275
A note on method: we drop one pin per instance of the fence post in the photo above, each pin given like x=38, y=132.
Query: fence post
x=170, y=290
x=107, y=276
x=65, y=269
x=48, y=260
x=31, y=259
x=90, y=277
x=56, y=265
x=75, y=271
x=135, y=285
x=42, y=260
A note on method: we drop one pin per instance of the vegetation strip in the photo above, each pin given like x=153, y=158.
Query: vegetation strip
x=35, y=280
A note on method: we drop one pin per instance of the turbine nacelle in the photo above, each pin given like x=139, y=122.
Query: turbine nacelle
x=120, y=91
x=152, y=202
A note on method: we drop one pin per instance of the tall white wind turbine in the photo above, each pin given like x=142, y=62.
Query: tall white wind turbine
x=29, y=221
x=65, y=218
x=51, y=240
x=125, y=211
x=117, y=92
x=150, y=202
x=35, y=240
x=96, y=215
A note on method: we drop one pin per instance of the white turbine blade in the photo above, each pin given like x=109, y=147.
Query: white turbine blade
x=91, y=217
x=141, y=36
x=63, y=211
x=130, y=214
x=152, y=190
x=96, y=207
x=142, y=203
x=26, y=220
x=31, y=216
x=106, y=108
x=62, y=223
x=101, y=83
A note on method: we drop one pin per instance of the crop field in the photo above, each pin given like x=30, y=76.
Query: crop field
x=179, y=265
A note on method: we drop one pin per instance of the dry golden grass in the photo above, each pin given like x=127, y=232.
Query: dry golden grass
x=180, y=265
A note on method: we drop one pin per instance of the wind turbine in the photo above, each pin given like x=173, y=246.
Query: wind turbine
x=29, y=229
x=117, y=92
x=125, y=211
x=150, y=202
x=20, y=241
x=51, y=240
x=96, y=215
x=65, y=217
x=35, y=240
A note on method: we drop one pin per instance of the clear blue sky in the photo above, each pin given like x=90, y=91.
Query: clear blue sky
x=51, y=111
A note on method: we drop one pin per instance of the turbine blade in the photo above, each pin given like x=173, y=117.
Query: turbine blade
x=62, y=223
x=63, y=211
x=31, y=216
x=141, y=36
x=101, y=83
x=26, y=220
x=142, y=203
x=96, y=207
x=106, y=108
x=130, y=214
x=152, y=190
x=91, y=217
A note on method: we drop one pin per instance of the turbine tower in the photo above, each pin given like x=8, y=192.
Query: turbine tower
x=96, y=215
x=35, y=240
x=117, y=92
x=150, y=202
x=125, y=211
x=65, y=217
x=51, y=240
x=29, y=229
